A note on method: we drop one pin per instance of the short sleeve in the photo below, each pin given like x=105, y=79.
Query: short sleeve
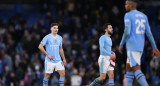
x=61, y=42
x=44, y=40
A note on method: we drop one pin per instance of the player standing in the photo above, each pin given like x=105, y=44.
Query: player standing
x=136, y=25
x=53, y=44
x=106, y=55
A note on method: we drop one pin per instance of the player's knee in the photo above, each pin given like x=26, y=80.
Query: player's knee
x=102, y=78
x=47, y=76
x=128, y=68
x=62, y=74
x=111, y=76
x=135, y=68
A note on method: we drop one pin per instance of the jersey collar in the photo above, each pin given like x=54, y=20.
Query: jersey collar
x=53, y=36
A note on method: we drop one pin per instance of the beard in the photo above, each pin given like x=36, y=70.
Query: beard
x=110, y=32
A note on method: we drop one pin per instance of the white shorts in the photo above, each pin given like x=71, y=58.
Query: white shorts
x=49, y=66
x=134, y=58
x=104, y=64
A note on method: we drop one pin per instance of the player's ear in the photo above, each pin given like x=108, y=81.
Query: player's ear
x=106, y=29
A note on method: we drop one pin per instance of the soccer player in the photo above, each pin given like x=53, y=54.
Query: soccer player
x=136, y=25
x=106, y=57
x=53, y=52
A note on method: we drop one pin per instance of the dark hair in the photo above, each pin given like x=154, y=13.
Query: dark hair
x=54, y=24
x=135, y=1
x=105, y=26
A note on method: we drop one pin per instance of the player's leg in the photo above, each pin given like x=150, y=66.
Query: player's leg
x=129, y=73
x=103, y=65
x=135, y=64
x=61, y=70
x=62, y=77
x=48, y=70
x=101, y=78
x=45, y=79
x=140, y=76
x=111, y=77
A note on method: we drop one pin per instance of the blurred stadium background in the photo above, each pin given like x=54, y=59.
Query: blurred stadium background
x=23, y=24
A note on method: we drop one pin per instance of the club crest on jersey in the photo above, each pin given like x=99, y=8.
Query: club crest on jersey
x=59, y=41
x=55, y=40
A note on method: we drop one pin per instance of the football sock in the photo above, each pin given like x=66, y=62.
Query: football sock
x=110, y=82
x=141, y=78
x=95, y=82
x=129, y=78
x=45, y=81
x=61, y=81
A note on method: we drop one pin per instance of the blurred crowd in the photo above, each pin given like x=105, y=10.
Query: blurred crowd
x=22, y=64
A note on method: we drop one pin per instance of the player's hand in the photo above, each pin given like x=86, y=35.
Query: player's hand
x=50, y=57
x=120, y=49
x=113, y=56
x=156, y=52
x=65, y=62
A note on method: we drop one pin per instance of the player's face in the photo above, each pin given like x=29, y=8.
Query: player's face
x=127, y=5
x=54, y=29
x=110, y=29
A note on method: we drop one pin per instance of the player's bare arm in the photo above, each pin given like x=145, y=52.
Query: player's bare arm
x=62, y=55
x=114, y=56
x=156, y=52
x=41, y=47
x=120, y=49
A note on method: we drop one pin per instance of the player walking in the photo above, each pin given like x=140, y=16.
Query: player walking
x=136, y=25
x=106, y=57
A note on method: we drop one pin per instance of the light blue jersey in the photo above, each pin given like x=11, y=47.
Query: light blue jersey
x=136, y=25
x=52, y=45
x=105, y=44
